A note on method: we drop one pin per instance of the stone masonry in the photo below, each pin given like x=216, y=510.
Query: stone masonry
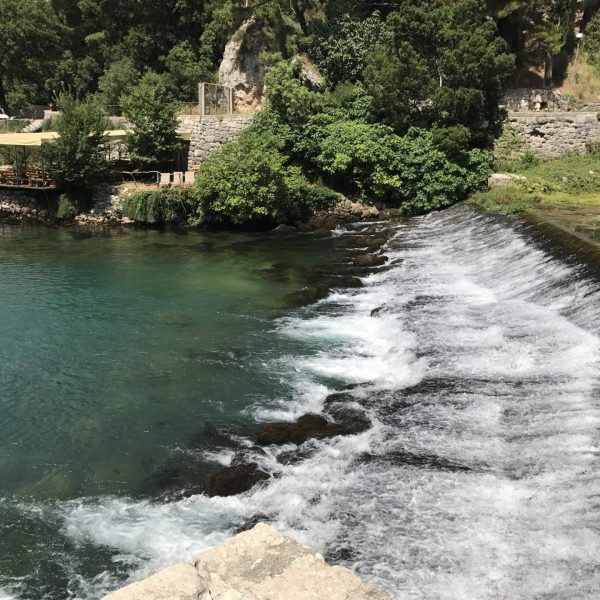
x=211, y=132
x=551, y=135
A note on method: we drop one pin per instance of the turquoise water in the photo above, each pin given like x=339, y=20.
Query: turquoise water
x=476, y=357
x=117, y=350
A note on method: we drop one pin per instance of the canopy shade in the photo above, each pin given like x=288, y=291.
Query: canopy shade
x=34, y=140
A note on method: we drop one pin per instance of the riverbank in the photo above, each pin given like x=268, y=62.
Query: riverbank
x=106, y=210
x=563, y=193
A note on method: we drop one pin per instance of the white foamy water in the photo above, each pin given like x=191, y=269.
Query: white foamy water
x=476, y=358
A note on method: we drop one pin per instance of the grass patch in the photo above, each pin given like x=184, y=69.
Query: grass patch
x=509, y=200
x=582, y=82
x=569, y=181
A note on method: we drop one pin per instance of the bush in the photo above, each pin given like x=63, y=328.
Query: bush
x=249, y=182
x=409, y=172
x=67, y=208
x=158, y=207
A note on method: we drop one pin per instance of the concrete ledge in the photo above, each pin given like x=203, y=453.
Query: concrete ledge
x=260, y=564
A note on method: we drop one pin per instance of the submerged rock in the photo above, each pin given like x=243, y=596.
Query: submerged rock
x=285, y=229
x=236, y=479
x=308, y=295
x=311, y=426
x=369, y=260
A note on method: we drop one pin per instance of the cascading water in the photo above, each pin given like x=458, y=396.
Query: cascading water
x=476, y=357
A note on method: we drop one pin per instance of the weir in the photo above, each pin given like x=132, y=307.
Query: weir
x=475, y=356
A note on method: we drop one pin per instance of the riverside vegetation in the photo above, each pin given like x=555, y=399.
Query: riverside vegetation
x=406, y=114
x=404, y=117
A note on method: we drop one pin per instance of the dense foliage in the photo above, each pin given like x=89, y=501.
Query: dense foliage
x=150, y=108
x=78, y=155
x=407, y=112
x=249, y=182
x=158, y=207
x=89, y=46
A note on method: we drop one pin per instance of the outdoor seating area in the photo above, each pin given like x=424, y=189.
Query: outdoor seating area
x=27, y=178
x=176, y=179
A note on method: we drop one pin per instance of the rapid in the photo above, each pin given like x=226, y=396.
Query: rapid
x=476, y=357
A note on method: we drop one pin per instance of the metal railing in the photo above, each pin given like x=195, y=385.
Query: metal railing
x=215, y=99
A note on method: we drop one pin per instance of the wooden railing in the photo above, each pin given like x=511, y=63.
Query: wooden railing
x=27, y=178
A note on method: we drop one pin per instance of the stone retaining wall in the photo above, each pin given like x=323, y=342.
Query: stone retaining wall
x=211, y=132
x=552, y=135
x=19, y=205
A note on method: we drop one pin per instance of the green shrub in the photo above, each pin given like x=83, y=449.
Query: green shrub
x=67, y=208
x=158, y=207
x=409, y=172
x=249, y=182
x=528, y=159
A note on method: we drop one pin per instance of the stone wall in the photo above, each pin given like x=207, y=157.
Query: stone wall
x=211, y=132
x=20, y=205
x=535, y=99
x=551, y=135
x=260, y=564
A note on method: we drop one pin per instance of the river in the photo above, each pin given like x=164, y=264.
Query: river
x=476, y=358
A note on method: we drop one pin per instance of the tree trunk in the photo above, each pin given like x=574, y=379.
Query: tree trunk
x=299, y=16
x=3, y=101
x=548, y=69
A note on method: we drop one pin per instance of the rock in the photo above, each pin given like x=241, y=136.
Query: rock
x=242, y=67
x=309, y=73
x=309, y=426
x=369, y=260
x=180, y=582
x=339, y=397
x=308, y=295
x=349, y=281
x=285, y=229
x=259, y=564
x=503, y=179
x=262, y=564
x=236, y=479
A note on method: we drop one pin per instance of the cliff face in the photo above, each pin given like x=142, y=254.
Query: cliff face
x=260, y=564
x=242, y=68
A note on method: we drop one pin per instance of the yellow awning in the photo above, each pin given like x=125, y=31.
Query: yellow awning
x=36, y=139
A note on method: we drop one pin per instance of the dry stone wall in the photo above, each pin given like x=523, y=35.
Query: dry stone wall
x=211, y=132
x=552, y=135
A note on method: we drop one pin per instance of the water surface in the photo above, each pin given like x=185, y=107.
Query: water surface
x=476, y=357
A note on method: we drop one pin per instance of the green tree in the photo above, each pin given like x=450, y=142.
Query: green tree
x=78, y=155
x=117, y=80
x=446, y=67
x=30, y=36
x=150, y=108
x=342, y=47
